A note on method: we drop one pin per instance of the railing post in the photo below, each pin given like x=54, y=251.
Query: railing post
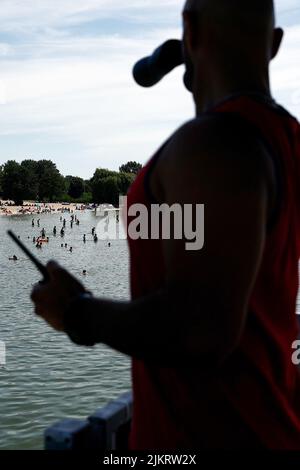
x=110, y=425
x=105, y=430
x=69, y=434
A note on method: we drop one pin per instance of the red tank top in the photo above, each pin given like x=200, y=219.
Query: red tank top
x=254, y=399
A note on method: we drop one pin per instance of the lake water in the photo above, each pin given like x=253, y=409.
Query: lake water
x=46, y=377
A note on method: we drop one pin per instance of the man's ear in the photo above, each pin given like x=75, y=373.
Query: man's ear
x=190, y=31
x=277, y=40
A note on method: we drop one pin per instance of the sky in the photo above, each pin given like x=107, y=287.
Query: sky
x=66, y=87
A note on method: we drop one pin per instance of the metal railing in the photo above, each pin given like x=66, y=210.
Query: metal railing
x=105, y=430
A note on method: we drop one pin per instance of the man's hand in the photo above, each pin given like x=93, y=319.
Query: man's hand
x=53, y=298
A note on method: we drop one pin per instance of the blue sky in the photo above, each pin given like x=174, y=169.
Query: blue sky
x=66, y=90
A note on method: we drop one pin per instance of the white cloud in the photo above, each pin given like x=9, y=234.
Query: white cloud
x=91, y=102
x=31, y=15
x=71, y=96
x=286, y=71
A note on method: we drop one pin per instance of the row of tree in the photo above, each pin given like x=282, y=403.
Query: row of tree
x=41, y=181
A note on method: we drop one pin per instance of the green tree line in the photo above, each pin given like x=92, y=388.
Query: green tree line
x=41, y=181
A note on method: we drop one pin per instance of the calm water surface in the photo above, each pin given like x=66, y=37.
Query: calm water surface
x=47, y=377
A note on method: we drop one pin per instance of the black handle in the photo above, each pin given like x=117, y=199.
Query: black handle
x=35, y=261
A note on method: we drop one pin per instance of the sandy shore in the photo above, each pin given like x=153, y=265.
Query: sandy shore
x=32, y=208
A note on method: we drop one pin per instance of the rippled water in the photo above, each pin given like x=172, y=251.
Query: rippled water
x=47, y=377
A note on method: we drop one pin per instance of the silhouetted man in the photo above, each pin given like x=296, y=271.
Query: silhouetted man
x=210, y=331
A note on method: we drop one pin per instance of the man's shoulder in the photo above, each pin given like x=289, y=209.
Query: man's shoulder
x=221, y=140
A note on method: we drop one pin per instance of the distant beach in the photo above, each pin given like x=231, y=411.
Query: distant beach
x=7, y=208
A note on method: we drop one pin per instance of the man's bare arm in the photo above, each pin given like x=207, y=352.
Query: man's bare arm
x=199, y=316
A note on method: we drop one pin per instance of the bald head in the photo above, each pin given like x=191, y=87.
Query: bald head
x=232, y=27
x=246, y=16
x=229, y=42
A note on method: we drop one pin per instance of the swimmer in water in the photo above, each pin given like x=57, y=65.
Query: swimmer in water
x=84, y=272
x=13, y=258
